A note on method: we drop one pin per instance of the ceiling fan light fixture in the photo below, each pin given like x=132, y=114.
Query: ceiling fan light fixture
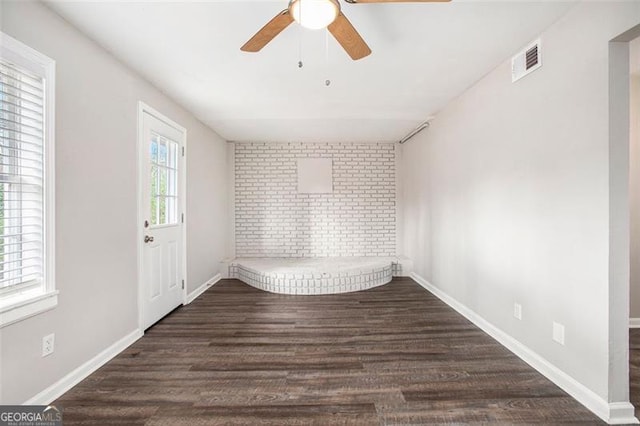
x=314, y=14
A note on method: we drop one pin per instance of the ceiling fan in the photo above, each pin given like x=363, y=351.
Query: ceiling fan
x=318, y=14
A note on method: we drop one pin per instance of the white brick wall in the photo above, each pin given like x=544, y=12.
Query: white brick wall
x=273, y=220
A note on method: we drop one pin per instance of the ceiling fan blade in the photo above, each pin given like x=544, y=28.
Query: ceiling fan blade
x=348, y=37
x=396, y=1
x=268, y=32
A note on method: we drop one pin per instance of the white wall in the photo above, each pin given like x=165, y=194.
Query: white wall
x=506, y=196
x=634, y=178
x=273, y=220
x=96, y=119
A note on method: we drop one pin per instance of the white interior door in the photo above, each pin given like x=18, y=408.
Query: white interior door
x=161, y=173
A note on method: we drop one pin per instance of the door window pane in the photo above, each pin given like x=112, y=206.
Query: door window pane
x=162, y=152
x=154, y=149
x=173, y=155
x=163, y=180
x=154, y=193
x=172, y=189
x=162, y=214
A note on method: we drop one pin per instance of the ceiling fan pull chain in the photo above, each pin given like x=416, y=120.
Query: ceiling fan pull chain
x=327, y=82
x=300, y=63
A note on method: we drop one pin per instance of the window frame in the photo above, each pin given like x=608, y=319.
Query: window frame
x=15, y=307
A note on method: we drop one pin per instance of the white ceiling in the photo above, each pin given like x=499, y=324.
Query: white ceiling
x=424, y=55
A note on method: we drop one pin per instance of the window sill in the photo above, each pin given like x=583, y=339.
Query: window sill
x=23, y=306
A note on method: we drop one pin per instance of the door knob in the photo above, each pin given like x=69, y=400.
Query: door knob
x=148, y=239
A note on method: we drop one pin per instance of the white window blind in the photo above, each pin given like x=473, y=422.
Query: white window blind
x=22, y=100
x=27, y=196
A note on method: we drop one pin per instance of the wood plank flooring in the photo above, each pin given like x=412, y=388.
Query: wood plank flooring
x=391, y=355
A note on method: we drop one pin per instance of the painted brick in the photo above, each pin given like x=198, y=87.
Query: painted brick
x=273, y=220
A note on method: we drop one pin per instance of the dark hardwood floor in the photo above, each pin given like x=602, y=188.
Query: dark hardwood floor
x=391, y=355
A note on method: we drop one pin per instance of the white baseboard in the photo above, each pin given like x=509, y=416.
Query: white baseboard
x=621, y=413
x=198, y=291
x=612, y=413
x=56, y=390
x=634, y=322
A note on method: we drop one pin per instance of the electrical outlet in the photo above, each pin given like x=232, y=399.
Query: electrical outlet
x=517, y=310
x=48, y=344
x=558, y=332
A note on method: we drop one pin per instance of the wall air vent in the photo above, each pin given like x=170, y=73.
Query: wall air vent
x=526, y=61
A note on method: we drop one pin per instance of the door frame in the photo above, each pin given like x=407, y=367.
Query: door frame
x=141, y=145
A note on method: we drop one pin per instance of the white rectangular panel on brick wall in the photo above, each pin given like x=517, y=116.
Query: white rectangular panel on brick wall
x=315, y=176
x=273, y=220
